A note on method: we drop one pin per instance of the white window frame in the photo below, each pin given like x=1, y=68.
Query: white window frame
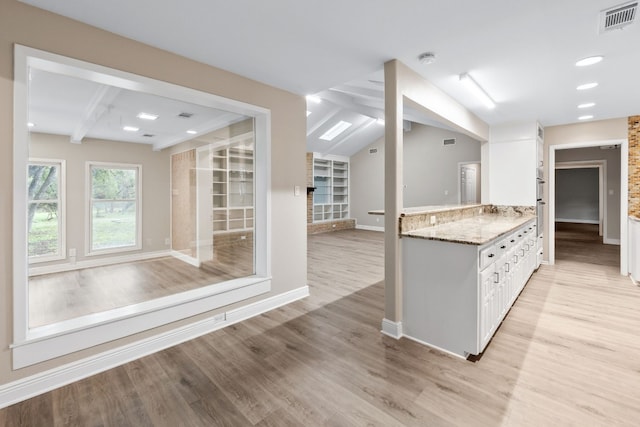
x=89, y=208
x=35, y=345
x=62, y=219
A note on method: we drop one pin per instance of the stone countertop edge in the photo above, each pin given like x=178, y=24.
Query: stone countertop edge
x=454, y=231
x=634, y=218
x=421, y=210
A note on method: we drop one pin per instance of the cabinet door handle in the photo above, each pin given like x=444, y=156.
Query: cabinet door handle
x=496, y=278
x=513, y=240
x=502, y=247
x=491, y=255
x=506, y=267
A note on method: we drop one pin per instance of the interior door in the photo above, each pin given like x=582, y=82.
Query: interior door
x=468, y=184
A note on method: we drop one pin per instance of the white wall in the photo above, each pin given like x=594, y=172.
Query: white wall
x=430, y=171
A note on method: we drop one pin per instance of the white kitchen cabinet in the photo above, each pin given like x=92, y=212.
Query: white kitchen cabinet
x=515, y=153
x=456, y=295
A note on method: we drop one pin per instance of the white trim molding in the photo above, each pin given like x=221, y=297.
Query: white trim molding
x=97, y=262
x=392, y=329
x=369, y=228
x=43, y=382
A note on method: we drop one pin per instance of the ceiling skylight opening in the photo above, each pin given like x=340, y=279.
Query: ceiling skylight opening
x=130, y=129
x=587, y=105
x=585, y=62
x=587, y=86
x=477, y=90
x=587, y=117
x=314, y=99
x=192, y=132
x=147, y=116
x=336, y=130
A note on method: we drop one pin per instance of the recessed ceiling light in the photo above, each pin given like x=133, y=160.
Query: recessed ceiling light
x=589, y=61
x=131, y=129
x=336, y=130
x=308, y=113
x=147, y=116
x=587, y=105
x=587, y=117
x=587, y=86
x=192, y=132
x=313, y=98
x=31, y=124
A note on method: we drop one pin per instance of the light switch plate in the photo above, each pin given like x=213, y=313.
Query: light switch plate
x=296, y=190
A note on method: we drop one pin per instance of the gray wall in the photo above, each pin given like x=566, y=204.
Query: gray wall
x=612, y=191
x=430, y=170
x=577, y=195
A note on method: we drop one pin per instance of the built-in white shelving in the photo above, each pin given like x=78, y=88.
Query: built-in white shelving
x=331, y=194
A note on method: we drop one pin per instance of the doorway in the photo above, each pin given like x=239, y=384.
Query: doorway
x=620, y=202
x=468, y=183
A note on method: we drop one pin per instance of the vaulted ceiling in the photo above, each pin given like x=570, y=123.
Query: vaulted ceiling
x=522, y=53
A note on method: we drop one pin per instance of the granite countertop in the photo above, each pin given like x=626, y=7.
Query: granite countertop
x=419, y=210
x=477, y=230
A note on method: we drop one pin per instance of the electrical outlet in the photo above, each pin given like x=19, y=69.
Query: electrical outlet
x=243, y=237
x=433, y=219
x=333, y=225
x=167, y=241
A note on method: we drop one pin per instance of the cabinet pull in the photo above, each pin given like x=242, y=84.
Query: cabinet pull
x=513, y=240
x=497, y=277
x=502, y=247
x=491, y=255
x=506, y=267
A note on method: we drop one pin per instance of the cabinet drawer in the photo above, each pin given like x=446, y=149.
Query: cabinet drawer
x=487, y=256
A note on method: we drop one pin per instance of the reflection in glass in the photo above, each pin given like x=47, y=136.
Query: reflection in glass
x=120, y=254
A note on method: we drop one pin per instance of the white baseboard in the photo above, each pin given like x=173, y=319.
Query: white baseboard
x=43, y=382
x=392, y=329
x=369, y=228
x=607, y=241
x=578, y=221
x=97, y=262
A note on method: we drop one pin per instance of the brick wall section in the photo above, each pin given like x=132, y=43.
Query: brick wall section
x=324, y=227
x=634, y=166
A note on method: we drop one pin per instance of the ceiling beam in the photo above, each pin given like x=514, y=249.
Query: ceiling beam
x=96, y=108
x=207, y=127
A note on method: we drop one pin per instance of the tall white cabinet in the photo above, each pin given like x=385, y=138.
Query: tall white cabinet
x=515, y=154
x=331, y=194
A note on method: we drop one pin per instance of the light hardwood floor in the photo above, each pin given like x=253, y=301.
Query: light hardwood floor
x=568, y=353
x=61, y=296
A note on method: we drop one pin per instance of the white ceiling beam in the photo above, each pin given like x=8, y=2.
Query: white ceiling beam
x=96, y=108
x=334, y=112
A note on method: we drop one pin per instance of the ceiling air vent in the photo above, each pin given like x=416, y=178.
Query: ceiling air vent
x=185, y=115
x=618, y=17
x=373, y=150
x=449, y=141
x=148, y=135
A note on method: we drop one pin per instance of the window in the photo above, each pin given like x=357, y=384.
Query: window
x=45, y=212
x=114, y=207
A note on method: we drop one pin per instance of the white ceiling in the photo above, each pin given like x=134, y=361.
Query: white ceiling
x=522, y=53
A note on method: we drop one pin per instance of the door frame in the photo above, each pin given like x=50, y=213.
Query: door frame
x=624, y=190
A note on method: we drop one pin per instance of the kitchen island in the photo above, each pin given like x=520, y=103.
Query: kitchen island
x=461, y=276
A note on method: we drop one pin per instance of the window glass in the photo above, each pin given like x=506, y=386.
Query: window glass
x=114, y=207
x=44, y=213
